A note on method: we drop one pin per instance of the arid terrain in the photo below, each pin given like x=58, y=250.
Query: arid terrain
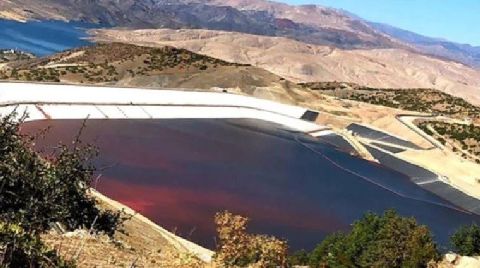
x=313, y=24
x=140, y=244
x=330, y=26
x=462, y=138
x=307, y=43
x=301, y=62
x=415, y=99
x=128, y=65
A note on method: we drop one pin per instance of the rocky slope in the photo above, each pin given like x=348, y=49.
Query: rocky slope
x=134, y=66
x=301, y=62
x=465, y=53
x=312, y=24
x=339, y=20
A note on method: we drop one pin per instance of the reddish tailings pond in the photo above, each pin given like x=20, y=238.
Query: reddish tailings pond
x=180, y=172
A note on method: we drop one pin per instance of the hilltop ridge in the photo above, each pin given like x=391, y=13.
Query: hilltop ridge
x=136, y=66
x=301, y=62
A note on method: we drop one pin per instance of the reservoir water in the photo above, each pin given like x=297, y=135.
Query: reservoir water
x=179, y=173
x=43, y=37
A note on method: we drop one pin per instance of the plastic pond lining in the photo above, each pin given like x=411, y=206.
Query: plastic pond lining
x=427, y=180
x=376, y=135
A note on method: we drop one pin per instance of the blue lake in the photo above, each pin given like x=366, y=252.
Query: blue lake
x=43, y=37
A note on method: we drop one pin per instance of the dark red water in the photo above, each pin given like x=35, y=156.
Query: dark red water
x=180, y=172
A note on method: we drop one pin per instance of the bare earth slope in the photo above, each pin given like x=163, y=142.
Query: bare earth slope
x=324, y=17
x=300, y=62
x=132, y=66
x=311, y=15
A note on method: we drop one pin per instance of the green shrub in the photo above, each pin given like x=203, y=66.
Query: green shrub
x=466, y=240
x=298, y=258
x=331, y=252
x=377, y=241
x=36, y=192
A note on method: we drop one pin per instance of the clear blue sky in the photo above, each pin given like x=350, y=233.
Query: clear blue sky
x=455, y=20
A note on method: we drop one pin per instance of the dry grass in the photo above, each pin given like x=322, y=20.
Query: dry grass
x=140, y=246
x=100, y=251
x=144, y=246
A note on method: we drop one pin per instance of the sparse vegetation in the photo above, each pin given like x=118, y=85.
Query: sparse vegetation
x=464, y=139
x=420, y=100
x=109, y=63
x=299, y=258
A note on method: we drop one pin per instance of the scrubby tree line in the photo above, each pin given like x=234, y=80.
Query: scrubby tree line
x=414, y=99
x=466, y=137
x=387, y=240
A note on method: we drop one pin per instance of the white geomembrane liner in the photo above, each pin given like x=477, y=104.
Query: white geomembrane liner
x=134, y=112
x=72, y=111
x=111, y=111
x=44, y=93
x=31, y=111
x=80, y=102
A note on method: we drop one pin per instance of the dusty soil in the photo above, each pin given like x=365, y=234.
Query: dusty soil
x=301, y=62
x=143, y=244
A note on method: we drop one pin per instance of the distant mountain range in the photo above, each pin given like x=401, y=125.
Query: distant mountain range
x=302, y=43
x=464, y=53
x=312, y=24
x=308, y=23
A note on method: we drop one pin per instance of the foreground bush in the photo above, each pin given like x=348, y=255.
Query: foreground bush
x=36, y=192
x=466, y=241
x=237, y=248
x=377, y=241
x=20, y=249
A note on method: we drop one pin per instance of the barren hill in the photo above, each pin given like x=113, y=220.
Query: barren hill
x=465, y=53
x=301, y=62
x=134, y=66
x=342, y=21
x=312, y=24
x=329, y=28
